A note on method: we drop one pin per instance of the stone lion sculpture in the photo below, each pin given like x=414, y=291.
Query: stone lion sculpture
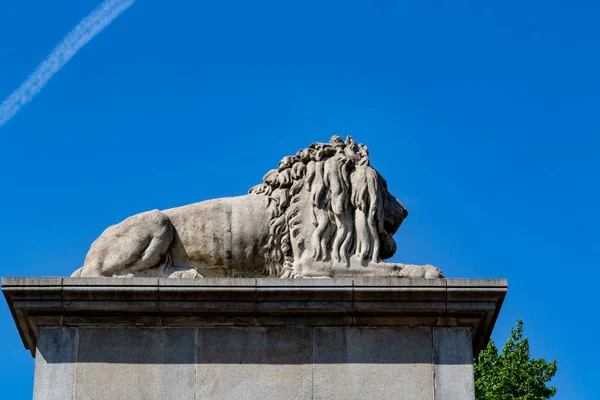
x=325, y=212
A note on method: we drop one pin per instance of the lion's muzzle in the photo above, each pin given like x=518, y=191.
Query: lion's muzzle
x=394, y=214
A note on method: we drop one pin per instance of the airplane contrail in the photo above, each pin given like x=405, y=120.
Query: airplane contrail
x=85, y=31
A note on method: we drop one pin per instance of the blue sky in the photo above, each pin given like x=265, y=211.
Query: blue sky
x=483, y=117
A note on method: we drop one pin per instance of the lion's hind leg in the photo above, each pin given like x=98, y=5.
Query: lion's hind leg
x=138, y=243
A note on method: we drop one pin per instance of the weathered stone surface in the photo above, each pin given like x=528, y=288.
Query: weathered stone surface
x=55, y=363
x=174, y=363
x=31, y=281
x=111, y=282
x=324, y=212
x=453, y=364
x=254, y=363
x=306, y=339
x=373, y=363
x=135, y=363
x=243, y=302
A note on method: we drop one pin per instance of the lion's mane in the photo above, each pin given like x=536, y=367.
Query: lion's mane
x=347, y=205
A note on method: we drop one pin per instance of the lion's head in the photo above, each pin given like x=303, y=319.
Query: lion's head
x=327, y=200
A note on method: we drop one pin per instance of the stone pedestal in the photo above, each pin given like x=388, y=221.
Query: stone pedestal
x=144, y=338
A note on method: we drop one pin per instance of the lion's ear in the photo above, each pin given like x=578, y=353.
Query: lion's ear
x=336, y=141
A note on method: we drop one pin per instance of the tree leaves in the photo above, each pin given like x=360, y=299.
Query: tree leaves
x=513, y=375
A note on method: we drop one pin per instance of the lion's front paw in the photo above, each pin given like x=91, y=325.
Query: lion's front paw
x=432, y=272
x=186, y=274
x=191, y=274
x=418, y=271
x=126, y=273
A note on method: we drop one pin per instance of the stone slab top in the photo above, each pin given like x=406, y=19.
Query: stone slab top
x=55, y=301
x=254, y=282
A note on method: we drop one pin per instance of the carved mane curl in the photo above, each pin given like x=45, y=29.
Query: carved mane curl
x=346, y=197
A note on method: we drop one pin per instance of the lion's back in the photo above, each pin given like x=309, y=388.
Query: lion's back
x=221, y=237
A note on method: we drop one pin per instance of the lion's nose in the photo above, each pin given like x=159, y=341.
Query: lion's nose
x=402, y=212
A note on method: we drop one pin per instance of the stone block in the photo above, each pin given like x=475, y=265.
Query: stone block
x=400, y=294
x=453, y=364
x=303, y=294
x=306, y=282
x=372, y=363
x=208, y=282
x=106, y=281
x=31, y=281
x=473, y=283
x=55, y=363
x=135, y=363
x=398, y=282
x=254, y=363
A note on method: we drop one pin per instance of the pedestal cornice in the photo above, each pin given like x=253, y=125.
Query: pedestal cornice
x=473, y=303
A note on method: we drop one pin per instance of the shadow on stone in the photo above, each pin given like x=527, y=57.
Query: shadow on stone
x=243, y=345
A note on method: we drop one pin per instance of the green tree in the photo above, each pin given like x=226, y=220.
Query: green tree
x=513, y=375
